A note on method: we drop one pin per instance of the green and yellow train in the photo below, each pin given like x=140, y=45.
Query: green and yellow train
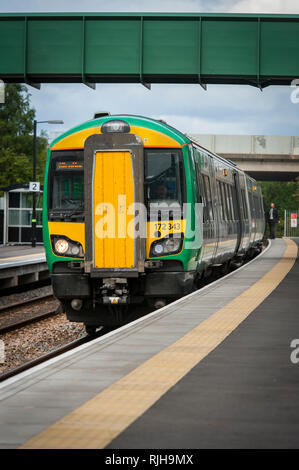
x=135, y=211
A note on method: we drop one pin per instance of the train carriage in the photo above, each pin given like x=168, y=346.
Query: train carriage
x=135, y=211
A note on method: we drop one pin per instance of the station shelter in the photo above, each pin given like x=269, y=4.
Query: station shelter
x=17, y=215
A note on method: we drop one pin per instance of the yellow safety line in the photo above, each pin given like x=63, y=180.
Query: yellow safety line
x=96, y=423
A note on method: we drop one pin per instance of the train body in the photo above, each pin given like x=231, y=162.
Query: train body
x=136, y=211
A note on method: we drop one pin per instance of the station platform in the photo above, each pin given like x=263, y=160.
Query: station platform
x=21, y=264
x=214, y=369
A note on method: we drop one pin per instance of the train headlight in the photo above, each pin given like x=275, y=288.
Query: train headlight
x=172, y=244
x=75, y=250
x=115, y=126
x=167, y=246
x=63, y=246
x=158, y=249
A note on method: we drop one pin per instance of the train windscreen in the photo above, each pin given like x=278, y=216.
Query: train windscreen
x=67, y=181
x=164, y=177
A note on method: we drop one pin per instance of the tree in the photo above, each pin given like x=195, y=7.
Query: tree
x=16, y=138
x=296, y=193
x=282, y=193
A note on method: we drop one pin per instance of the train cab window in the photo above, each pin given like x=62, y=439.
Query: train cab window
x=66, y=182
x=164, y=177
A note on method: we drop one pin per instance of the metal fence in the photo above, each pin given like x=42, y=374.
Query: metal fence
x=291, y=223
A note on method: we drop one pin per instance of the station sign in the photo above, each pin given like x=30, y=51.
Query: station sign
x=294, y=218
x=34, y=186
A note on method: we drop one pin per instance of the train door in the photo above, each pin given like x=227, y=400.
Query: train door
x=251, y=215
x=238, y=211
x=209, y=213
x=245, y=211
x=215, y=224
x=113, y=184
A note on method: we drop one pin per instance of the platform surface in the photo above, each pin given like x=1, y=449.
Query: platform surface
x=210, y=370
x=19, y=255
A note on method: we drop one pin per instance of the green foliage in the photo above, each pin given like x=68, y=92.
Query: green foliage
x=16, y=138
x=296, y=193
x=283, y=194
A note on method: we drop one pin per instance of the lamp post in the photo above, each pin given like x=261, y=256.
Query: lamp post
x=33, y=222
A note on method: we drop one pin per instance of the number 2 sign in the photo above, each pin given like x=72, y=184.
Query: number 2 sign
x=34, y=186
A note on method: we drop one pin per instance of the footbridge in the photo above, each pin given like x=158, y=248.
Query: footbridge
x=265, y=157
x=90, y=48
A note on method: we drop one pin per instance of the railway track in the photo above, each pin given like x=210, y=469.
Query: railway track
x=17, y=311
x=28, y=321
x=51, y=354
x=31, y=296
x=20, y=303
x=54, y=352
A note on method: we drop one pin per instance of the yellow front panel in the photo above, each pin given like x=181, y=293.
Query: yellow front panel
x=113, y=195
x=73, y=230
x=165, y=228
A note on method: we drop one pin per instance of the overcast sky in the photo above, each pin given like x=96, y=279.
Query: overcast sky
x=222, y=109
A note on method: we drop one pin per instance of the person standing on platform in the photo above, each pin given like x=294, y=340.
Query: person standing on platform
x=273, y=219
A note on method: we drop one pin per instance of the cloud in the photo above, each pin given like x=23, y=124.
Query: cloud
x=205, y=6
x=114, y=5
x=266, y=6
x=226, y=109
x=223, y=109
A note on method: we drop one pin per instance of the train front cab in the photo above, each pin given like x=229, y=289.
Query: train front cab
x=106, y=267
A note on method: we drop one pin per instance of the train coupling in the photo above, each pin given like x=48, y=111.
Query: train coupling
x=114, y=291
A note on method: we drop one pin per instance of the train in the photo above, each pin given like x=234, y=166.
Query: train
x=137, y=212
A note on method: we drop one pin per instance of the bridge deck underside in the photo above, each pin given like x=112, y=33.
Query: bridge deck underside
x=149, y=48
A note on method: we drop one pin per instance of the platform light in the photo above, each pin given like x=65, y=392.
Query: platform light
x=115, y=126
x=33, y=221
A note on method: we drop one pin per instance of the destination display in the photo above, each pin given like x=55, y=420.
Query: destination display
x=69, y=165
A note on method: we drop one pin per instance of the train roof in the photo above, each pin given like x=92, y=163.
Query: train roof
x=155, y=124
x=134, y=120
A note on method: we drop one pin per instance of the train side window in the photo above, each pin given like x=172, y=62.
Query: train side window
x=235, y=203
x=224, y=201
x=208, y=197
x=244, y=203
x=202, y=194
x=230, y=198
x=256, y=207
x=229, y=212
x=250, y=202
x=220, y=198
x=242, y=209
x=199, y=195
x=262, y=205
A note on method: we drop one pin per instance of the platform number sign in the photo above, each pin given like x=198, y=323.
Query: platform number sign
x=294, y=220
x=34, y=186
